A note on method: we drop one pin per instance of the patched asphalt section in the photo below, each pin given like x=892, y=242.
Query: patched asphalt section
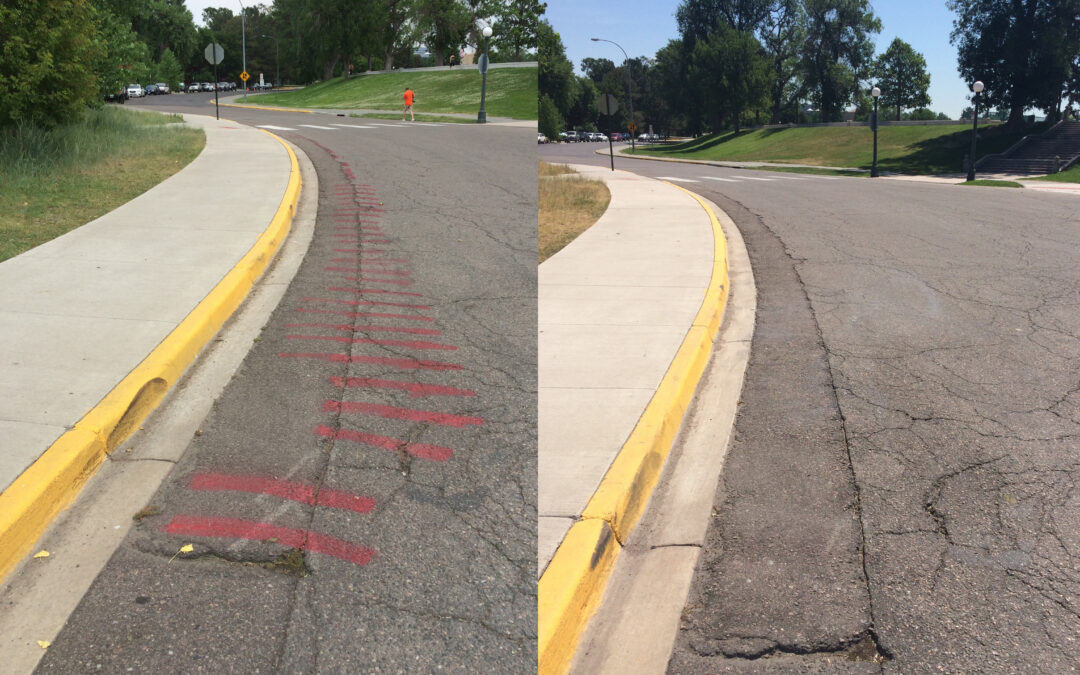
x=781, y=572
x=423, y=557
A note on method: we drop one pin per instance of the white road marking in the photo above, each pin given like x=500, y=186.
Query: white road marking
x=678, y=180
x=726, y=180
x=353, y=126
x=392, y=126
x=753, y=178
x=271, y=126
x=316, y=126
x=789, y=177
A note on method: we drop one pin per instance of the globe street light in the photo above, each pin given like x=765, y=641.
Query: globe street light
x=277, y=62
x=875, y=92
x=481, y=117
x=977, y=87
x=629, y=86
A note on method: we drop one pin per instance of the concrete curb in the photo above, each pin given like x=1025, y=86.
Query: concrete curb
x=572, y=586
x=52, y=482
x=855, y=173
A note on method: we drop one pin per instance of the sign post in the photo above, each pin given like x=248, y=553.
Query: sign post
x=609, y=105
x=214, y=54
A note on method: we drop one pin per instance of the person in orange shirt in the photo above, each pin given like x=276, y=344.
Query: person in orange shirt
x=408, y=105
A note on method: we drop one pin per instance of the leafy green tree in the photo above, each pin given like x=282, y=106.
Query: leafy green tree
x=443, y=26
x=555, y=76
x=169, y=70
x=731, y=71
x=597, y=69
x=47, y=52
x=1022, y=50
x=837, y=51
x=901, y=74
x=121, y=58
x=549, y=121
x=165, y=24
x=782, y=35
x=515, y=25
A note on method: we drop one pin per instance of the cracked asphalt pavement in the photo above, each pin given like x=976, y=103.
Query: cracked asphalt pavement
x=901, y=494
x=362, y=498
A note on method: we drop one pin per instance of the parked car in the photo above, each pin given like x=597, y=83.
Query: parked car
x=162, y=88
x=616, y=136
x=570, y=136
x=541, y=138
x=119, y=96
x=207, y=86
x=194, y=87
x=135, y=91
x=600, y=138
x=151, y=90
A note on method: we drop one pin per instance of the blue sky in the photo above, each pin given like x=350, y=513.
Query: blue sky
x=642, y=27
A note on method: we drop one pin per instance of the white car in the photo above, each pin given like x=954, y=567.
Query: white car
x=135, y=91
x=541, y=138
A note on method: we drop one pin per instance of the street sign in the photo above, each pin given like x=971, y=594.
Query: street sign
x=244, y=76
x=631, y=127
x=214, y=53
x=482, y=64
x=607, y=104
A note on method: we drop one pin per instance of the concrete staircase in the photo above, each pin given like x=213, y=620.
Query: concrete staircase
x=1035, y=155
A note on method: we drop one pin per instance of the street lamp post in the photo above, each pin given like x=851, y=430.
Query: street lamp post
x=481, y=117
x=277, y=62
x=875, y=92
x=243, y=45
x=977, y=87
x=629, y=86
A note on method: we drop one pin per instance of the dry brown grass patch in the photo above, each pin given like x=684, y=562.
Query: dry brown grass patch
x=567, y=207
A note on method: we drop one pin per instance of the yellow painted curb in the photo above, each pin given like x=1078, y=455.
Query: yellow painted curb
x=50, y=484
x=263, y=107
x=567, y=591
x=571, y=590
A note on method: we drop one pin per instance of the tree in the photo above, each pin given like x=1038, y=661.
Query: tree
x=731, y=71
x=549, y=121
x=121, y=58
x=515, y=25
x=555, y=73
x=837, y=51
x=1022, y=50
x=169, y=70
x=47, y=52
x=443, y=25
x=901, y=74
x=597, y=69
x=782, y=35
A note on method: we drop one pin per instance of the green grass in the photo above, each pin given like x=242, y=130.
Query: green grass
x=51, y=182
x=993, y=183
x=419, y=118
x=911, y=150
x=1070, y=175
x=511, y=92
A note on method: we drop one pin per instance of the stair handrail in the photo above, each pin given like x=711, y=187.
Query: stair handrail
x=1017, y=145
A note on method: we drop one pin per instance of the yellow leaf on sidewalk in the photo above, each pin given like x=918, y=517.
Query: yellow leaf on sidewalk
x=44, y=644
x=187, y=548
x=42, y=554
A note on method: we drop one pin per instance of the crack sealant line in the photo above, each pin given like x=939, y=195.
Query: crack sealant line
x=572, y=586
x=54, y=480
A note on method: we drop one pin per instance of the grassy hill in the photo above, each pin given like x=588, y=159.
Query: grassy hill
x=913, y=150
x=511, y=92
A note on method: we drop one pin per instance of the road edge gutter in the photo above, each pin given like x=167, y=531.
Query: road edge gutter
x=52, y=482
x=572, y=586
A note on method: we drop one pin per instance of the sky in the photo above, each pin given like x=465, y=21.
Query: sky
x=642, y=27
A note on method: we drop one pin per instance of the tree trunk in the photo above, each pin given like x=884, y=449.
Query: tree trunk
x=1016, y=118
x=438, y=58
x=388, y=62
x=328, y=68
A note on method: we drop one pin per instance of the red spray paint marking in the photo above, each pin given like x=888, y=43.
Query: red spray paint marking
x=369, y=261
x=370, y=315
x=231, y=528
x=365, y=303
x=365, y=251
x=411, y=344
x=375, y=291
x=297, y=492
x=436, y=453
x=378, y=280
x=380, y=269
x=415, y=389
x=365, y=228
x=367, y=329
x=391, y=412
x=403, y=364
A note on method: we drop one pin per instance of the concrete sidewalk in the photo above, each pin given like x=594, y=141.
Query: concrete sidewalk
x=627, y=314
x=81, y=314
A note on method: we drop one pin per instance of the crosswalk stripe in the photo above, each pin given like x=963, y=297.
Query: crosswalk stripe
x=271, y=126
x=678, y=180
x=754, y=178
x=353, y=126
x=789, y=177
x=316, y=126
x=392, y=126
x=726, y=180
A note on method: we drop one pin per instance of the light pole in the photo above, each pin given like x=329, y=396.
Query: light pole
x=243, y=45
x=875, y=92
x=629, y=86
x=977, y=87
x=277, y=62
x=481, y=117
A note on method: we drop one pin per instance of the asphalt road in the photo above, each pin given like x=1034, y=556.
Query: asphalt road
x=362, y=498
x=901, y=495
